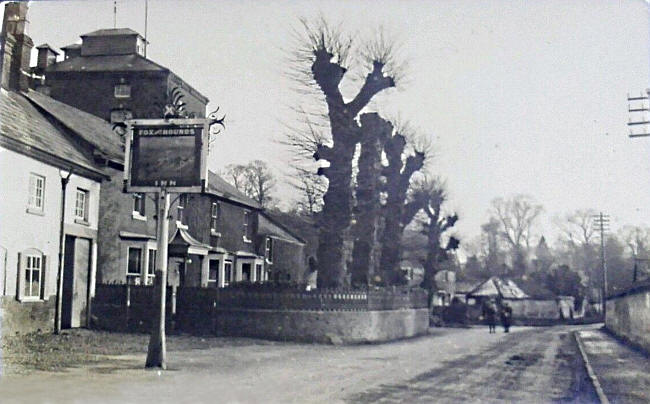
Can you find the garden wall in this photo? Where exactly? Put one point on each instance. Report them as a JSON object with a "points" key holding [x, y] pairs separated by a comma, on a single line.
{"points": [[328, 316], [628, 316]]}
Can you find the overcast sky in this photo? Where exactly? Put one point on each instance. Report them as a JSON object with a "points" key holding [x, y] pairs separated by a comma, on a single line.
{"points": [[518, 97]]}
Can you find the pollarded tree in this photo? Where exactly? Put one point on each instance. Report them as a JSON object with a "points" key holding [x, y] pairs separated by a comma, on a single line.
{"points": [[326, 52], [434, 225], [375, 131], [398, 211]]}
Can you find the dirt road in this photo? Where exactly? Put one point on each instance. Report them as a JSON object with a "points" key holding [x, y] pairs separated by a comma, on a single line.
{"points": [[450, 365]]}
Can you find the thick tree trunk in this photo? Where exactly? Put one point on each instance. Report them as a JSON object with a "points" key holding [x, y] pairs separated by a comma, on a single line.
{"points": [[337, 202], [374, 133], [398, 176]]}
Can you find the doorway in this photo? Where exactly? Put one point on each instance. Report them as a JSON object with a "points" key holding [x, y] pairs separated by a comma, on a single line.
{"points": [[76, 273]]}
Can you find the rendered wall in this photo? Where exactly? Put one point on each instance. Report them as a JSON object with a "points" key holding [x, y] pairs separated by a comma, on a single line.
{"points": [[628, 316], [347, 327], [21, 230]]}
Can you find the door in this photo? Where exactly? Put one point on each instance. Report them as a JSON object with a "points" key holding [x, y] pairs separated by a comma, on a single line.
{"points": [[76, 271]]}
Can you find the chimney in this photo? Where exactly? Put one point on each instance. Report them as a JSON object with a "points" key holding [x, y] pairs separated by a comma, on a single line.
{"points": [[46, 57], [16, 47]]}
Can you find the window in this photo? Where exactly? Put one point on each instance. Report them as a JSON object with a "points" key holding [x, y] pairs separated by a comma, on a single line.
{"points": [[213, 274], [214, 216], [227, 273], [134, 266], [36, 192], [138, 204], [246, 272], [258, 273], [247, 227], [151, 267], [33, 278], [122, 91], [268, 249], [81, 205], [182, 203]]}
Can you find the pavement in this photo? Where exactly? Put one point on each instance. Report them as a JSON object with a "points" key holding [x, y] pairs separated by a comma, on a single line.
{"points": [[527, 365], [620, 374]]}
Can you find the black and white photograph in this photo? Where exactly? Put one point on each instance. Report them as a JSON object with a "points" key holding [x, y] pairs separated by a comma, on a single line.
{"points": [[325, 201]]}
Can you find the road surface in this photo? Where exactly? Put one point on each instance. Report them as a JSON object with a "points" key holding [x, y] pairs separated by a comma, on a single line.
{"points": [[449, 365]]}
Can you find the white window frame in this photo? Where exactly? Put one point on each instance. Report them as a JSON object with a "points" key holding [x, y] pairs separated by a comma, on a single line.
{"points": [[180, 209], [247, 216], [139, 206], [151, 277], [31, 258], [259, 273], [215, 281], [81, 205], [268, 250], [227, 280], [214, 216], [136, 276], [36, 201], [122, 90]]}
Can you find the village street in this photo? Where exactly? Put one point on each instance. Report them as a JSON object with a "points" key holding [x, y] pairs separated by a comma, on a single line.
{"points": [[449, 365]]}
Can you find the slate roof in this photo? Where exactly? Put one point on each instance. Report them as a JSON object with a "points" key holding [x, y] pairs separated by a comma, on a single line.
{"points": [[111, 32], [107, 63], [221, 188], [268, 226], [72, 46], [22, 122], [47, 46], [92, 129]]}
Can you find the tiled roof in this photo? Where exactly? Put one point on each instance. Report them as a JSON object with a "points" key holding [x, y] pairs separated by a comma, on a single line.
{"points": [[92, 129], [498, 287], [219, 187], [106, 63], [111, 32], [22, 122]]}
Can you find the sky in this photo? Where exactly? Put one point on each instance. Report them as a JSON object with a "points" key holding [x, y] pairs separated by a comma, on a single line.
{"points": [[517, 97]]}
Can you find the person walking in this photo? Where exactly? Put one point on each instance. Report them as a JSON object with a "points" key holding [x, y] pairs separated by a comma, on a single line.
{"points": [[506, 316], [490, 315]]}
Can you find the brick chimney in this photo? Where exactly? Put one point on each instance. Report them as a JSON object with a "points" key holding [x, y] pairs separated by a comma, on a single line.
{"points": [[15, 47]]}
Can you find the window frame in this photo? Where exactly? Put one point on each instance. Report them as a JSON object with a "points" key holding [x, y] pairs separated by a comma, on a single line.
{"points": [[214, 216], [32, 205], [84, 209], [133, 275], [268, 249], [122, 94], [246, 226], [139, 205], [213, 282], [227, 272], [151, 276], [31, 270]]}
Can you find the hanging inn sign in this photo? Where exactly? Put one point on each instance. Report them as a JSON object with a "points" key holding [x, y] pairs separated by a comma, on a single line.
{"points": [[166, 153]]}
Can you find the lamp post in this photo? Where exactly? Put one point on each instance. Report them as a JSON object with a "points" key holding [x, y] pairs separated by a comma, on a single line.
{"points": [[65, 178]]}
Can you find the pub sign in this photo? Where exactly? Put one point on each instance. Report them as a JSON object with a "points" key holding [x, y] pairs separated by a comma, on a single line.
{"points": [[169, 154]]}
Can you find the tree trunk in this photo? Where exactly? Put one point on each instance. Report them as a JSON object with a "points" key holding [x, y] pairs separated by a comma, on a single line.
{"points": [[398, 176], [374, 133]]}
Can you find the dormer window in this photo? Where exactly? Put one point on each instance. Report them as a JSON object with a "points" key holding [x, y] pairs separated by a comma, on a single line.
{"points": [[122, 90]]}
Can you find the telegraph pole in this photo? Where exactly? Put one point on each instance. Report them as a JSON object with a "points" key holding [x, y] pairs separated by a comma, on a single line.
{"points": [[601, 223]]}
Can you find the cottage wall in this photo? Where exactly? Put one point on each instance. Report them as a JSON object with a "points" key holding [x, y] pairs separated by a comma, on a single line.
{"points": [[22, 230]]}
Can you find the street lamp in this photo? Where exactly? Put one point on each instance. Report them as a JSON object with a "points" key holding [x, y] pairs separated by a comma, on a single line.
{"points": [[65, 178]]}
